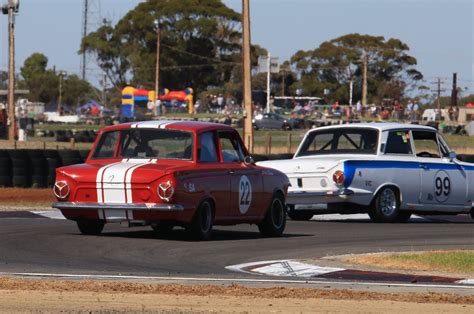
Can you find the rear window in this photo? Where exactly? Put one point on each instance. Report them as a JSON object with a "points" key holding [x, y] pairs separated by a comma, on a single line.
{"points": [[145, 143], [340, 141]]}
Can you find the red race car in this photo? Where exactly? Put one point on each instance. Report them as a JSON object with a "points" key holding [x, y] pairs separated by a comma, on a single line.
{"points": [[166, 174]]}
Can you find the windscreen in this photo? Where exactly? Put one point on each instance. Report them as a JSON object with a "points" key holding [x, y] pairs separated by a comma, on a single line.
{"points": [[145, 143], [340, 141]]}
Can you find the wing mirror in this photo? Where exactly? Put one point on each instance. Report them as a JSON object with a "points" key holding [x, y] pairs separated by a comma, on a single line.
{"points": [[249, 160], [452, 156]]}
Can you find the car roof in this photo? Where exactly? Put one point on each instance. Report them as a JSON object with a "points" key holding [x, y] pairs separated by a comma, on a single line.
{"points": [[192, 126], [381, 126]]}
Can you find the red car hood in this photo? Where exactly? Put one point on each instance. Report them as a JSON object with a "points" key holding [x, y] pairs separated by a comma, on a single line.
{"points": [[141, 172]]}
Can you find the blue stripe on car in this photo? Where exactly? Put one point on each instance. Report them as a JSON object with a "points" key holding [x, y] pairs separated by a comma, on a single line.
{"points": [[350, 167]]}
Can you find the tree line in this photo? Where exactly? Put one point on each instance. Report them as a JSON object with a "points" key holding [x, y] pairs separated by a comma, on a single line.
{"points": [[201, 48]]}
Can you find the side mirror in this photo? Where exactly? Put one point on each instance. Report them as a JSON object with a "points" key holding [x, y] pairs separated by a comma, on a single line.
{"points": [[249, 160], [452, 156]]}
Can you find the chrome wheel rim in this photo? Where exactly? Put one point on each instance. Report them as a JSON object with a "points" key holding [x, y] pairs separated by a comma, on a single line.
{"points": [[388, 202], [278, 213]]}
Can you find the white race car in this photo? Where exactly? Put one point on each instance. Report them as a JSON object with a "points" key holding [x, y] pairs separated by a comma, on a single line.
{"points": [[387, 170]]}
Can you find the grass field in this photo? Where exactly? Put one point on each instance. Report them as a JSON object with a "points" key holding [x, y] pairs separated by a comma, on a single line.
{"points": [[439, 261]]}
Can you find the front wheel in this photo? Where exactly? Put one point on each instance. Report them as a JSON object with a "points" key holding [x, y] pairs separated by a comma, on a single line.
{"points": [[90, 227], [386, 206], [201, 226], [274, 222]]}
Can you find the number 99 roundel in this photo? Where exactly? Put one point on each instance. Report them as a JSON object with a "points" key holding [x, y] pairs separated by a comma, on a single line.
{"points": [[245, 194]]}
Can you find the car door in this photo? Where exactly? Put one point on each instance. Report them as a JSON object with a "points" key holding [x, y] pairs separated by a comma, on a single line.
{"points": [[212, 176], [246, 180], [443, 181]]}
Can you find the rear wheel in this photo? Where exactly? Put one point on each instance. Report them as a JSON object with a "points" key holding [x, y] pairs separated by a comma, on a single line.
{"points": [[386, 206], [90, 227], [274, 222], [201, 226], [299, 215]]}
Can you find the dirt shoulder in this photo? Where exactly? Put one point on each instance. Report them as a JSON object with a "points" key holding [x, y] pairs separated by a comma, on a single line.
{"points": [[24, 295], [25, 199]]}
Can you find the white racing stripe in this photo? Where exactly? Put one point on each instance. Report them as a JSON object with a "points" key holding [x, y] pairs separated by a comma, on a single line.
{"points": [[114, 181]]}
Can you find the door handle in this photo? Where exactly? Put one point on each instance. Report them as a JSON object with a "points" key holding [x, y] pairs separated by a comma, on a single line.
{"points": [[422, 166]]}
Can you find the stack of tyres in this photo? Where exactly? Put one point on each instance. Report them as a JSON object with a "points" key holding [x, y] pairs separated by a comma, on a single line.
{"points": [[70, 157], [39, 168], [20, 168], [5, 169], [54, 161]]}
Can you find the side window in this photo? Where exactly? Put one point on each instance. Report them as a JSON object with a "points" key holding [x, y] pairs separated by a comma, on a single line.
{"points": [[208, 151], [231, 149], [426, 144], [107, 145], [398, 142]]}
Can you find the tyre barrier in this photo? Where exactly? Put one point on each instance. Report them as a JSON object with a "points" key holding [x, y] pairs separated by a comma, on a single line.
{"points": [[35, 168]]}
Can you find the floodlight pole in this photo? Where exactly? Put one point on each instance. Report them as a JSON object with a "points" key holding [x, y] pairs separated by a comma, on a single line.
{"points": [[246, 76], [60, 99], [157, 68], [268, 82], [11, 71]]}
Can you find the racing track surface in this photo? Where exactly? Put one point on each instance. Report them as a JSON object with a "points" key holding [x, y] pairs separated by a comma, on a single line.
{"points": [[30, 243]]}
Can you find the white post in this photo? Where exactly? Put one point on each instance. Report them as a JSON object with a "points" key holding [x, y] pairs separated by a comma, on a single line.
{"points": [[268, 83], [351, 86]]}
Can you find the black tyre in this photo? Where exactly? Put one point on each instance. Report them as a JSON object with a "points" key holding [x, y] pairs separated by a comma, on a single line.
{"points": [[274, 222], [90, 227], [5, 181], [20, 182], [201, 226], [286, 127], [386, 206], [162, 228], [299, 215], [403, 216]]}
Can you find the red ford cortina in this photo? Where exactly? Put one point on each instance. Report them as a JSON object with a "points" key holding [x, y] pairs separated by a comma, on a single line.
{"points": [[167, 174]]}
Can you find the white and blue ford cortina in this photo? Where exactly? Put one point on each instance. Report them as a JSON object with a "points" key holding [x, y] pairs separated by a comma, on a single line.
{"points": [[387, 170]]}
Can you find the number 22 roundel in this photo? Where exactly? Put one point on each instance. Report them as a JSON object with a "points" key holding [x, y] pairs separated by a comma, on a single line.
{"points": [[245, 194]]}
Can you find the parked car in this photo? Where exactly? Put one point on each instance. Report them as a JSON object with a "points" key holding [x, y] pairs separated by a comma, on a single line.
{"points": [[167, 174], [272, 121], [387, 170]]}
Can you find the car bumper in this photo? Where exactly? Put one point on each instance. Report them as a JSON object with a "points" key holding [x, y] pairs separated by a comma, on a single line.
{"points": [[317, 197], [107, 206]]}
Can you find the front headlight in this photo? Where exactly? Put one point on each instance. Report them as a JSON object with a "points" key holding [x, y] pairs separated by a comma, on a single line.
{"points": [[165, 191]]}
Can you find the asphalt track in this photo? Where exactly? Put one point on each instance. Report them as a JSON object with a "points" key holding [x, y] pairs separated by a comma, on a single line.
{"points": [[34, 244]]}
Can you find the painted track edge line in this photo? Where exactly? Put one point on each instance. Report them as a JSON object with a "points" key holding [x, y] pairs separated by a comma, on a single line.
{"points": [[233, 280]]}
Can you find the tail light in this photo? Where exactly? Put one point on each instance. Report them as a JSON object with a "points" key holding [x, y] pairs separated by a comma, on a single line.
{"points": [[61, 190], [338, 178], [165, 191]]}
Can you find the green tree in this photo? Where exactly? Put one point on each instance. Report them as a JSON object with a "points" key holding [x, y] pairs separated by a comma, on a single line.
{"points": [[200, 44], [43, 83], [336, 62]]}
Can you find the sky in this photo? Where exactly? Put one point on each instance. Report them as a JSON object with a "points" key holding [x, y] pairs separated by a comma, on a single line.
{"points": [[440, 33]]}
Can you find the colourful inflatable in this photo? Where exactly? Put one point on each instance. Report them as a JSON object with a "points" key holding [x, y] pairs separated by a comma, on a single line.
{"points": [[139, 103]]}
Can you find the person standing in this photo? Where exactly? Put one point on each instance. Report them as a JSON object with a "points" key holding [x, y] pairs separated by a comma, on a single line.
{"points": [[220, 103], [359, 109]]}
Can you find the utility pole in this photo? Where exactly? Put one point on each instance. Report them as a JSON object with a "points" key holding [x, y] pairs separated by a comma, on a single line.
{"points": [[11, 8], [60, 99], [157, 67], [246, 76], [454, 92], [438, 91], [364, 79]]}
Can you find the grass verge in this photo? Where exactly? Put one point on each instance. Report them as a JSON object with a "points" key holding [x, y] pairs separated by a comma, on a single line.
{"points": [[459, 262]]}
